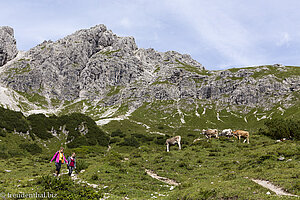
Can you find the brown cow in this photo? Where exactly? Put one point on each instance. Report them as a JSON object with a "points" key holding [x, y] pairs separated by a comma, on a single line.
{"points": [[242, 134], [210, 133], [172, 141]]}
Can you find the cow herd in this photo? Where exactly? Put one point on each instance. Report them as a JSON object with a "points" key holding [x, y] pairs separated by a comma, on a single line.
{"points": [[209, 133]]}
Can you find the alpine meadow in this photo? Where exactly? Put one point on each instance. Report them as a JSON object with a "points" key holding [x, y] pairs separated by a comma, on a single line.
{"points": [[115, 105]]}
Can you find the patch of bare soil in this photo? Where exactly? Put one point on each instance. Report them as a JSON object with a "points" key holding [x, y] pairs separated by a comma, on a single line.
{"points": [[163, 179], [270, 186]]}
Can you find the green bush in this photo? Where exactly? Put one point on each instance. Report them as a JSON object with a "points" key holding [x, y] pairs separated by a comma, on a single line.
{"points": [[117, 133], [3, 151], [194, 193], [160, 140], [95, 177], [130, 141], [77, 142], [114, 158], [65, 188], [2, 133], [80, 165], [31, 148], [12, 120], [40, 125], [114, 140], [94, 136], [142, 138], [281, 128], [15, 152]]}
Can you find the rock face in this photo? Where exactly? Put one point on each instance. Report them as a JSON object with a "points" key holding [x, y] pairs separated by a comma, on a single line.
{"points": [[97, 65], [88, 63], [8, 48]]}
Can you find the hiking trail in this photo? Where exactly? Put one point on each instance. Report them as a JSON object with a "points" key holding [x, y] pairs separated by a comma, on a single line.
{"points": [[78, 180], [270, 186], [163, 179]]}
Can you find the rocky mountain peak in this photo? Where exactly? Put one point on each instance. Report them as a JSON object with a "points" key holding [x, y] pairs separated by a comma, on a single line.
{"points": [[8, 48], [89, 60], [97, 66]]}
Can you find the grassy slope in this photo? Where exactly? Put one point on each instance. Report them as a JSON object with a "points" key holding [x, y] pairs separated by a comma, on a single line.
{"points": [[206, 169], [224, 162]]}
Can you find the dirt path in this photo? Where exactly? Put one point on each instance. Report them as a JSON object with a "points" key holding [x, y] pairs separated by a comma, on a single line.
{"points": [[78, 180], [75, 178], [270, 186], [163, 179]]}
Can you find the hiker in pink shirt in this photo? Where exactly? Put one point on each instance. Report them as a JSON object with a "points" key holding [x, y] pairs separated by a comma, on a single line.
{"points": [[59, 158]]}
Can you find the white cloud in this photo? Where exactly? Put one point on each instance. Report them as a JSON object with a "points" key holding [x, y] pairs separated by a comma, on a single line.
{"points": [[218, 29], [284, 39], [125, 22], [214, 32]]}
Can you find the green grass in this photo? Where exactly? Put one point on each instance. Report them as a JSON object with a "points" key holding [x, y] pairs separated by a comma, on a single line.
{"points": [[114, 90], [157, 69], [216, 168], [23, 68], [71, 107], [207, 169], [108, 53], [191, 68], [55, 102], [162, 82], [234, 70], [34, 98], [169, 119], [236, 78], [288, 71]]}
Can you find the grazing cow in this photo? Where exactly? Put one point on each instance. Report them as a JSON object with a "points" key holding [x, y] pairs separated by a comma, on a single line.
{"points": [[227, 133], [210, 133], [172, 141], [242, 134]]}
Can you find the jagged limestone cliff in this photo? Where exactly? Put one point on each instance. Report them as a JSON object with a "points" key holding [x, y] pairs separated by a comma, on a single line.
{"points": [[8, 48], [99, 73]]}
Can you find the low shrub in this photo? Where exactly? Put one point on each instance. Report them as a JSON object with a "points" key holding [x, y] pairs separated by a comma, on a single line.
{"points": [[194, 193], [204, 143], [32, 148], [130, 141], [77, 142], [3, 151], [15, 152], [142, 138], [13, 120], [95, 177], [2, 133], [117, 133], [65, 188], [40, 124], [114, 140], [281, 128], [160, 140], [114, 158], [80, 165]]}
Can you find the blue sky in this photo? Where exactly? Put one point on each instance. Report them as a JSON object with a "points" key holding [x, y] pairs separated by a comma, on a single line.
{"points": [[217, 33]]}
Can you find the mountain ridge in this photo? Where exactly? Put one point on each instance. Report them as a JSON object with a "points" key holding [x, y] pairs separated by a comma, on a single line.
{"points": [[106, 76]]}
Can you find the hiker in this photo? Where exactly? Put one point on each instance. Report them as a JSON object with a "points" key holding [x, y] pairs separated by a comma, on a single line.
{"points": [[71, 163], [59, 159]]}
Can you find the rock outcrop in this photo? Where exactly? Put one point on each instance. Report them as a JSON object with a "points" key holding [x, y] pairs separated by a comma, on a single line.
{"points": [[87, 64], [8, 48], [97, 65]]}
